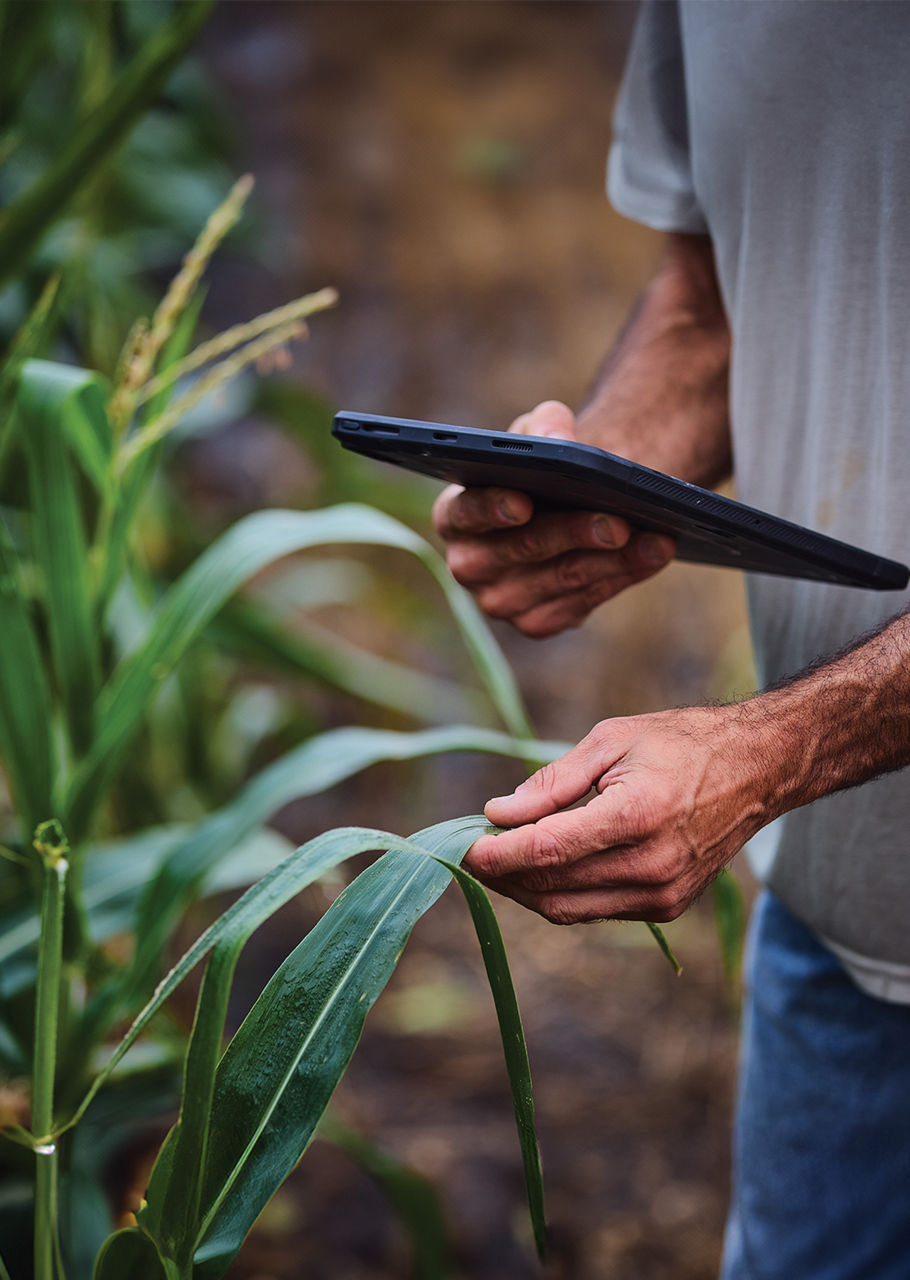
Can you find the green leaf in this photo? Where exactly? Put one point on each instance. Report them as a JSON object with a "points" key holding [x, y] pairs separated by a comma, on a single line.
{"points": [[256, 632], [26, 730], [24, 221], [282, 1066], [513, 1040], [661, 939], [183, 1182], [74, 402], [198, 595], [167, 866], [318, 764], [115, 872], [280, 1069], [45, 402], [129, 1253], [305, 865], [730, 920]]}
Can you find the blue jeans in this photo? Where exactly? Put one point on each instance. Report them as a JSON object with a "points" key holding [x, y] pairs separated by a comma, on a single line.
{"points": [[821, 1149]]}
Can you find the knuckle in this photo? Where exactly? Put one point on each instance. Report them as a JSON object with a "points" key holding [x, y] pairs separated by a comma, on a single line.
{"points": [[572, 572], [667, 902], [546, 850], [641, 822], [529, 545], [651, 873], [457, 558], [557, 908], [666, 915], [606, 737], [541, 881]]}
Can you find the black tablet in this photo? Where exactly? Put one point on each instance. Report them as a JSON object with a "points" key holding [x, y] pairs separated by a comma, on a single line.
{"points": [[708, 528]]}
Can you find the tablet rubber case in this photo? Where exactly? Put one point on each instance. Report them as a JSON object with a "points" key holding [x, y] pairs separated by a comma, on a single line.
{"points": [[708, 528]]}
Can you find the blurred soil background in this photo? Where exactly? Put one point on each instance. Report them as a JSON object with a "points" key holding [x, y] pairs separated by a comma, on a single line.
{"points": [[442, 164]]}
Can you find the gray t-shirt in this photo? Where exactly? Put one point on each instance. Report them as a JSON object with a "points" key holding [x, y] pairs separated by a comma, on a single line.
{"points": [[782, 130]]}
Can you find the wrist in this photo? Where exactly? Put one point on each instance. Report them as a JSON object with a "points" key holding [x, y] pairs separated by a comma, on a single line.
{"points": [[777, 752]]}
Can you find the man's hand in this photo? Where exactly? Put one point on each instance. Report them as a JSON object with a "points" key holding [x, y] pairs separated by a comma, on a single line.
{"points": [[544, 573], [678, 794]]}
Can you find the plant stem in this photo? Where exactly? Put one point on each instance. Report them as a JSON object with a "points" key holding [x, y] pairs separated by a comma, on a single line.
{"points": [[52, 847]]}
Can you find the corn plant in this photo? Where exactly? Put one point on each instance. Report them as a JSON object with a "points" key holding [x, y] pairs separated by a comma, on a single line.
{"points": [[78, 692], [73, 701], [248, 1113], [75, 694]]}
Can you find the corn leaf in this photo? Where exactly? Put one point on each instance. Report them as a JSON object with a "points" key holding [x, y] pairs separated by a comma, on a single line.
{"points": [[46, 403], [117, 873], [74, 401], [129, 1253], [26, 730], [271, 1086], [730, 921], [316, 765], [193, 601], [514, 1047], [258, 633], [243, 1127], [277, 1074], [144, 882], [305, 865], [113, 878], [661, 939], [24, 221]]}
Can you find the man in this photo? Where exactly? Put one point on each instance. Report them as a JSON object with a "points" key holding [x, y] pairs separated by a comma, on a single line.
{"points": [[771, 141]]}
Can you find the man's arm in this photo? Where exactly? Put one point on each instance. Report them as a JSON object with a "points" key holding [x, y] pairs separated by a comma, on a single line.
{"points": [[661, 399], [679, 792]]}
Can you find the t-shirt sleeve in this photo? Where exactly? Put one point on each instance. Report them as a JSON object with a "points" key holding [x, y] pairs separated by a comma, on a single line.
{"points": [[649, 174]]}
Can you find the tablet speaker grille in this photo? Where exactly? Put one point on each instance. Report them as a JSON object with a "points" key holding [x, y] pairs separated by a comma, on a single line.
{"points": [[518, 446]]}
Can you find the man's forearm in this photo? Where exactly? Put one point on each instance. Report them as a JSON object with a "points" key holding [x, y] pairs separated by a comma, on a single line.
{"points": [[678, 793], [844, 721], [661, 397]]}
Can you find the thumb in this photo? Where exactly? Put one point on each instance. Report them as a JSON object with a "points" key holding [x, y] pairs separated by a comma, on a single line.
{"points": [[547, 791]]}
